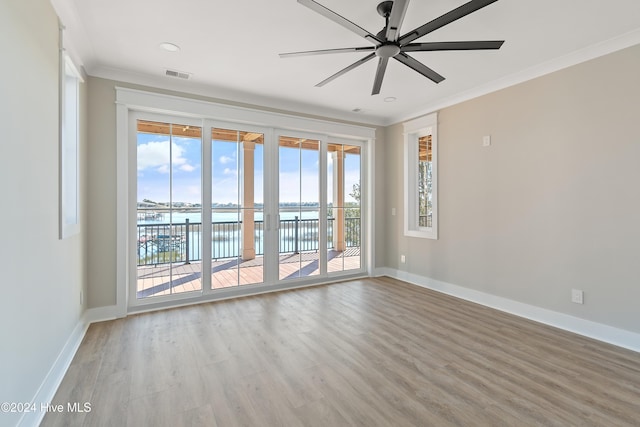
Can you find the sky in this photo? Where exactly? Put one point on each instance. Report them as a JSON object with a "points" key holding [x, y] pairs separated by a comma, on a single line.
{"points": [[158, 155]]}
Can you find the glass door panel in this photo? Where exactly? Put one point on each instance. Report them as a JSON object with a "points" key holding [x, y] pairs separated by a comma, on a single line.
{"points": [[299, 207], [344, 226], [237, 242], [169, 212]]}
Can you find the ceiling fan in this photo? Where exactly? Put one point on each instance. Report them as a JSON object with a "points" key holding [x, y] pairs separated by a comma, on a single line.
{"points": [[388, 43]]}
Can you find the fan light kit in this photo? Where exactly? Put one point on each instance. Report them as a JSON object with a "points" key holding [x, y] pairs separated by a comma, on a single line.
{"points": [[388, 43]]}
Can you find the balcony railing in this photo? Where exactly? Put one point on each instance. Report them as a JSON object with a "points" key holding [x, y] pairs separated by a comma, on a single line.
{"points": [[182, 242], [425, 220]]}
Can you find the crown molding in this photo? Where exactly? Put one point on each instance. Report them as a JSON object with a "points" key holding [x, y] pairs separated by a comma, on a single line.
{"points": [[226, 95], [76, 41], [594, 51]]}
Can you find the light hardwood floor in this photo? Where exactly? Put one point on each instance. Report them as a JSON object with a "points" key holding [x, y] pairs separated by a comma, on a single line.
{"points": [[373, 352]]}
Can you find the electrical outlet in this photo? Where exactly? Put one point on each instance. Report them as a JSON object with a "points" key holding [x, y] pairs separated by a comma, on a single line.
{"points": [[577, 296], [393, 211], [402, 259], [486, 140]]}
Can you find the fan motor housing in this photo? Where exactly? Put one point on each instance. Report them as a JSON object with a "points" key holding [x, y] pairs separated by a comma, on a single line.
{"points": [[387, 50]]}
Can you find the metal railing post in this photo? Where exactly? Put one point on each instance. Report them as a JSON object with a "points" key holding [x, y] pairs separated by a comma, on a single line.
{"points": [[186, 230], [296, 236]]}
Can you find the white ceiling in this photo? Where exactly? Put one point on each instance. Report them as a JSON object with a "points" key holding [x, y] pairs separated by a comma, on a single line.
{"points": [[231, 48]]}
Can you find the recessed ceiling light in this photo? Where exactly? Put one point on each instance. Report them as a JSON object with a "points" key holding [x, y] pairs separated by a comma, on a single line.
{"points": [[170, 47], [390, 99]]}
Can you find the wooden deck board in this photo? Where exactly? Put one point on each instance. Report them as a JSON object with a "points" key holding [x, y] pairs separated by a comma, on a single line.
{"points": [[166, 279]]}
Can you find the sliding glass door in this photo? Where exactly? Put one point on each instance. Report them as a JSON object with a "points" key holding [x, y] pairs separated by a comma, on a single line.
{"points": [[344, 228], [168, 208], [221, 206], [237, 207], [319, 207], [298, 207]]}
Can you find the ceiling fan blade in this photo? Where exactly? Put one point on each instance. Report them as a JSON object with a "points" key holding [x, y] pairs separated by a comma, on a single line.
{"points": [[419, 67], [328, 13], [377, 83], [443, 20], [470, 45], [398, 10], [327, 51], [349, 68]]}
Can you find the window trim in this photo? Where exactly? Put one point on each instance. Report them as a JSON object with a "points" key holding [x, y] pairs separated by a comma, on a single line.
{"points": [[413, 130]]}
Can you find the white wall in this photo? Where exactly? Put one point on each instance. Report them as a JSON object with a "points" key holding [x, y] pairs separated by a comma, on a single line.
{"points": [[40, 276], [553, 204], [101, 195]]}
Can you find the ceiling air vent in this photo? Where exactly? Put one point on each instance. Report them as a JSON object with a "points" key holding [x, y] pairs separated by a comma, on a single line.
{"points": [[178, 74]]}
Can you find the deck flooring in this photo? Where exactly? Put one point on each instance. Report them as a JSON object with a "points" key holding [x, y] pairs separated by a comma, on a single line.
{"points": [[166, 279]]}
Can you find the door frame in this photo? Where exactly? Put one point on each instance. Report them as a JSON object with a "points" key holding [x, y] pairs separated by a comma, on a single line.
{"points": [[128, 100]]}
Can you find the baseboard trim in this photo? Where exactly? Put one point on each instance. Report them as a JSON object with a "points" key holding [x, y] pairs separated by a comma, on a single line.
{"points": [[601, 332], [54, 377], [101, 314]]}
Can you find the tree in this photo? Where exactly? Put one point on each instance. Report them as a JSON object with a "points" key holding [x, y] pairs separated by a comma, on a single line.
{"points": [[356, 192], [352, 212], [424, 192]]}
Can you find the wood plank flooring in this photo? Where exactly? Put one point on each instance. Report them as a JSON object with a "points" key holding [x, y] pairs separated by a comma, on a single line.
{"points": [[373, 352]]}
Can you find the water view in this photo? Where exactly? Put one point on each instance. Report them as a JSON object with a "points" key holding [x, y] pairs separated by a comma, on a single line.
{"points": [[164, 237]]}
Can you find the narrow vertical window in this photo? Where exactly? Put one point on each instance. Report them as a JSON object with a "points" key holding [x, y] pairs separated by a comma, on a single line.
{"points": [[69, 146], [425, 181], [420, 185]]}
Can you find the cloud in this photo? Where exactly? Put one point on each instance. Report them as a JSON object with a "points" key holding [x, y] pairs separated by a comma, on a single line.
{"points": [[226, 159], [155, 155], [229, 171]]}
